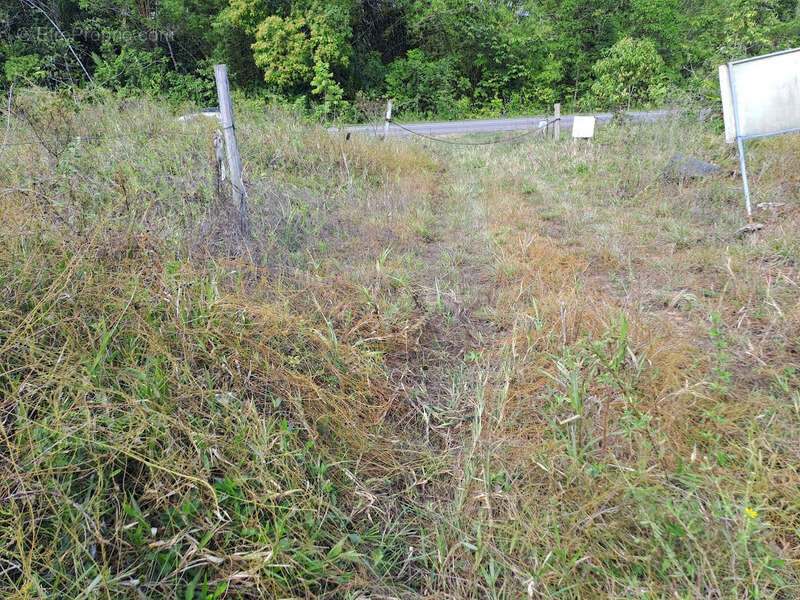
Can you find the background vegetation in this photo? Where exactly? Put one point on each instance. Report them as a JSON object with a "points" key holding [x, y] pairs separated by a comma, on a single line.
{"points": [[443, 58]]}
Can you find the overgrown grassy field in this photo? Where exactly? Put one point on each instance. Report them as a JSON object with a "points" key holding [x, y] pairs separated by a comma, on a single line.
{"points": [[532, 370]]}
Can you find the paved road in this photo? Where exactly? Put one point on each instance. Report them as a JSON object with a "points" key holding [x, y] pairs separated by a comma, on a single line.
{"points": [[491, 125]]}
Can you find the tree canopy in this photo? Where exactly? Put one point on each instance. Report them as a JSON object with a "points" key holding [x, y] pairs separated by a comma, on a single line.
{"points": [[443, 58]]}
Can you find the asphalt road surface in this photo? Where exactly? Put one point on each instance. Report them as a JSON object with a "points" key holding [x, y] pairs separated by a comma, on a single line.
{"points": [[493, 125]]}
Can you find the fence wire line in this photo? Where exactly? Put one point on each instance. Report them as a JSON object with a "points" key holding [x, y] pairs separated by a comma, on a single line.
{"points": [[94, 138], [487, 143]]}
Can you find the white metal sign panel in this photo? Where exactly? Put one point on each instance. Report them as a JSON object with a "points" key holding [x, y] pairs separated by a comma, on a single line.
{"points": [[767, 95], [583, 127]]}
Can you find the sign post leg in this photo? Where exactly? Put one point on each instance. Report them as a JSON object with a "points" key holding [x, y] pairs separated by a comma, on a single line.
{"points": [[743, 166]]}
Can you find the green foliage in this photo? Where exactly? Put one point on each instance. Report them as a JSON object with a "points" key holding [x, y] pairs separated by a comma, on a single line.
{"points": [[423, 86], [301, 51], [749, 25], [443, 58], [130, 69], [631, 73], [25, 68]]}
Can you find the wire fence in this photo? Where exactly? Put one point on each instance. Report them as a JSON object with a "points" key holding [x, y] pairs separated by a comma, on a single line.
{"points": [[65, 141], [95, 138], [154, 133], [505, 140]]}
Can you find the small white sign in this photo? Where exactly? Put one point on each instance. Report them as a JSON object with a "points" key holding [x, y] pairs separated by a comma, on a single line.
{"points": [[583, 127], [767, 92]]}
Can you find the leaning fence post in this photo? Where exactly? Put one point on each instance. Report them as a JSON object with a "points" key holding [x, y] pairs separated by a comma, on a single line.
{"points": [[388, 120], [557, 119], [231, 146]]}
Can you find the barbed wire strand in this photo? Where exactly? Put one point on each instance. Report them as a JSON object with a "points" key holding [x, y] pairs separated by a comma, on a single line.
{"points": [[487, 143], [94, 138]]}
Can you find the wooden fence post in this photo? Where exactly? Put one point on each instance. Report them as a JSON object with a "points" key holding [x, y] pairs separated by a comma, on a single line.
{"points": [[557, 117], [388, 120], [231, 146]]}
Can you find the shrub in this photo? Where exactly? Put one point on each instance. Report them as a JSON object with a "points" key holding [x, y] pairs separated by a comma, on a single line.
{"points": [[632, 72]]}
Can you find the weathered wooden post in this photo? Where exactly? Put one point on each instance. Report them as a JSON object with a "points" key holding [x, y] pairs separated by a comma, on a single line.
{"points": [[231, 146], [557, 119], [387, 120]]}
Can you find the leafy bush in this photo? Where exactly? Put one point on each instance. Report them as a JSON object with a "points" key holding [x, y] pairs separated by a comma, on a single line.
{"points": [[631, 73], [423, 86], [26, 68], [301, 51]]}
